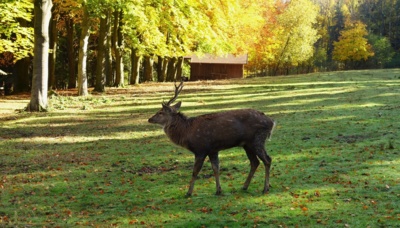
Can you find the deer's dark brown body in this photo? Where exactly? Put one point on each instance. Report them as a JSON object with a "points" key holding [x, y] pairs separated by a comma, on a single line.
{"points": [[206, 135]]}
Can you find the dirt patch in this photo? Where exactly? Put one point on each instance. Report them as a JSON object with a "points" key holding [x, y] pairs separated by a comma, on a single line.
{"points": [[350, 138], [152, 169]]}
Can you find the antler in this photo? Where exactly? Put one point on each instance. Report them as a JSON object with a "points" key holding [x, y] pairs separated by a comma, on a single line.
{"points": [[178, 89]]}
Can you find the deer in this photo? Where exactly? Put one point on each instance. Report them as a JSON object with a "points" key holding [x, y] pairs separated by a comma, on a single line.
{"points": [[206, 135]]}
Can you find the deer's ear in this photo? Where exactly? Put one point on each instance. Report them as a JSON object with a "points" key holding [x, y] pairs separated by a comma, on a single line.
{"points": [[177, 105]]}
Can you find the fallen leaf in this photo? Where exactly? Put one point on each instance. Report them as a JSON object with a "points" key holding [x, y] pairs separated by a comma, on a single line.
{"points": [[133, 221], [205, 210]]}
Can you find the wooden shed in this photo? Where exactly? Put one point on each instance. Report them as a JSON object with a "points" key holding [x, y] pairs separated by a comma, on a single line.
{"points": [[209, 67]]}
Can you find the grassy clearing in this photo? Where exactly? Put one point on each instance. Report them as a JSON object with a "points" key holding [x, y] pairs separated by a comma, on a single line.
{"points": [[96, 161]]}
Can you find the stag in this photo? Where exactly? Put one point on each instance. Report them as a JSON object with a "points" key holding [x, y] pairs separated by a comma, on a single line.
{"points": [[208, 134]]}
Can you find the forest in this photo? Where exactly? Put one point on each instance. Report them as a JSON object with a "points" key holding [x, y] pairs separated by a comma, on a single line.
{"points": [[104, 43]]}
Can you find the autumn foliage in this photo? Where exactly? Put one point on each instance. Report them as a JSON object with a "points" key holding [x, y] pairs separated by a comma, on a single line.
{"points": [[353, 44], [280, 37]]}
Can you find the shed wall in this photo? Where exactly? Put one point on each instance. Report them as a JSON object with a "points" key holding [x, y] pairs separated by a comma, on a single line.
{"points": [[208, 71]]}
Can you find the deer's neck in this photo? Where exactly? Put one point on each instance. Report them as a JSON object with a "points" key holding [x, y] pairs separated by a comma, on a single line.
{"points": [[177, 129]]}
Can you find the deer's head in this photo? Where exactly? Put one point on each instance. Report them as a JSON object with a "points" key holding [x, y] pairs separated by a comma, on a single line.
{"points": [[168, 111]]}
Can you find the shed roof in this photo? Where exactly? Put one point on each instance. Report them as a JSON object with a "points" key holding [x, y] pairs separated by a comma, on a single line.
{"points": [[227, 59]]}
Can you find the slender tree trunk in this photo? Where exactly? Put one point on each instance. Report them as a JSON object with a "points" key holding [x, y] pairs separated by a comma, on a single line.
{"points": [[83, 46], [114, 45], [135, 67], [71, 53], [108, 55], [119, 47], [165, 68], [159, 69], [148, 68], [53, 53], [100, 71], [179, 66], [278, 64], [42, 12]]}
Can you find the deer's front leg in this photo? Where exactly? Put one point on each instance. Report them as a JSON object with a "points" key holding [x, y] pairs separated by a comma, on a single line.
{"points": [[198, 163]]}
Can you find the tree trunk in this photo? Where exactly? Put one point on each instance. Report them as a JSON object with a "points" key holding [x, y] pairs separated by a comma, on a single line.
{"points": [[100, 71], [83, 46], [71, 53], [162, 68], [148, 68], [52, 55], [119, 47], [171, 71], [135, 67], [42, 12], [159, 69], [107, 51], [179, 69], [22, 80]]}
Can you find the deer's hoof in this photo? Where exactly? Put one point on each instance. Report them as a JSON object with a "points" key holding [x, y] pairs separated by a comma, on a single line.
{"points": [[187, 195]]}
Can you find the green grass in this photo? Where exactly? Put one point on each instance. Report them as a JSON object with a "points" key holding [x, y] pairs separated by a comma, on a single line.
{"points": [[96, 161]]}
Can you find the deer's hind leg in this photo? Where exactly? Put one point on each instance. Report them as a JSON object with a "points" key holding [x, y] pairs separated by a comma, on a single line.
{"points": [[215, 166], [265, 158], [254, 163]]}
